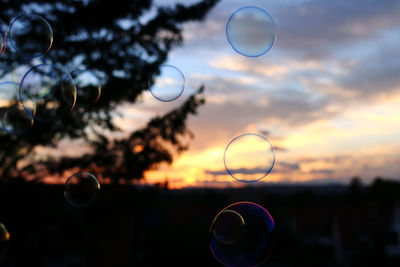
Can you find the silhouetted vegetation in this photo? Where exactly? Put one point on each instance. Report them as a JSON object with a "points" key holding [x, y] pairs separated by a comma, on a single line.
{"points": [[124, 42], [147, 226]]}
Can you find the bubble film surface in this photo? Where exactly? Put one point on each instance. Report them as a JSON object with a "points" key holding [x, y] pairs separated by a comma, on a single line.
{"points": [[30, 35], [81, 189], [249, 157], [48, 92], [168, 85], [251, 31], [242, 235]]}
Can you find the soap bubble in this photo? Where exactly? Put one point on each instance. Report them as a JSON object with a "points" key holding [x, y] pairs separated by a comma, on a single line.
{"points": [[249, 157], [168, 85], [14, 119], [49, 90], [242, 234], [81, 189], [88, 87], [30, 35], [251, 31]]}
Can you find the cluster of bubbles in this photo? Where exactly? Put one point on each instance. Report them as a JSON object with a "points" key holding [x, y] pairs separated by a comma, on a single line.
{"points": [[39, 90], [243, 233]]}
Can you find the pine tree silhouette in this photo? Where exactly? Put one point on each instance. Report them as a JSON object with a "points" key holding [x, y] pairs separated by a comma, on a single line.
{"points": [[125, 42]]}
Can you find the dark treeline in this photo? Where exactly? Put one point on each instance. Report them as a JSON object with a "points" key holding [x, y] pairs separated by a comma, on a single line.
{"points": [[333, 225]]}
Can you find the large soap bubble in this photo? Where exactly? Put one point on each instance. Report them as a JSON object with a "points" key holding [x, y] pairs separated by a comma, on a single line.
{"points": [[81, 189], [30, 35], [251, 31], [168, 85], [48, 90], [249, 157], [242, 234]]}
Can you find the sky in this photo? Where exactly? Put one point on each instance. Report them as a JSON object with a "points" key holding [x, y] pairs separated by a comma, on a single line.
{"points": [[326, 95]]}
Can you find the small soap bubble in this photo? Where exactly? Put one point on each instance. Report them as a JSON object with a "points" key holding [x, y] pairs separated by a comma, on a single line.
{"points": [[14, 119], [242, 234], [88, 87], [48, 92], [30, 35], [81, 189], [251, 31], [249, 157], [168, 85]]}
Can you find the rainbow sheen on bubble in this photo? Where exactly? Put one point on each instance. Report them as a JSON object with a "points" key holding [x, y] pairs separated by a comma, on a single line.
{"points": [[168, 85], [30, 35], [88, 87], [251, 31], [48, 90], [242, 235], [14, 119], [81, 189], [249, 157], [3, 38]]}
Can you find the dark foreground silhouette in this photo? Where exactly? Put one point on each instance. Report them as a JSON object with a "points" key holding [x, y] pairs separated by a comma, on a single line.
{"points": [[332, 225]]}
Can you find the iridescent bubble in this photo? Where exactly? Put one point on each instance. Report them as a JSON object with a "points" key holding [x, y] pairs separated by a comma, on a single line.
{"points": [[81, 189], [251, 31], [249, 157], [3, 38], [30, 35], [242, 234], [88, 87], [168, 85], [14, 119], [49, 91], [228, 227]]}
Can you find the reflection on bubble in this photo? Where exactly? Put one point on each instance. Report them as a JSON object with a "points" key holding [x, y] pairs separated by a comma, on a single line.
{"points": [[249, 157], [81, 189], [251, 31], [168, 85], [242, 234], [228, 227], [30, 35], [49, 91], [88, 87], [13, 117]]}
